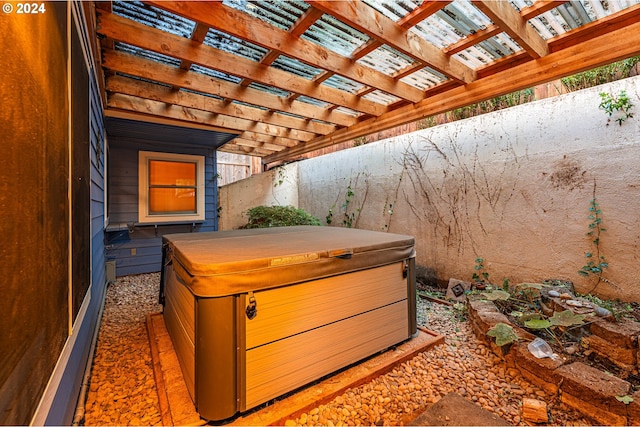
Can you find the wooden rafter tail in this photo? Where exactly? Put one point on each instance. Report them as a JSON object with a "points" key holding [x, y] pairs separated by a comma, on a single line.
{"points": [[198, 36], [267, 139], [232, 147], [263, 145]]}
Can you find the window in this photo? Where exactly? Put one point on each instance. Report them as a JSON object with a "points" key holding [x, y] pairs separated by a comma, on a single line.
{"points": [[170, 187]]}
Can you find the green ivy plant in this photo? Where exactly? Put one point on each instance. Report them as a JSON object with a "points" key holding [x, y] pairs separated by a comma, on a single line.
{"points": [[621, 105], [596, 261], [349, 218], [560, 321], [480, 275], [281, 176], [329, 217], [503, 333]]}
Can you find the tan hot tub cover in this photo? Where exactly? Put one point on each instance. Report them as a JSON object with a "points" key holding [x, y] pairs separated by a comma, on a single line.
{"points": [[221, 263]]}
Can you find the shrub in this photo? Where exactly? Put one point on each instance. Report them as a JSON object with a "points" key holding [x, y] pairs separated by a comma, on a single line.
{"points": [[278, 216]]}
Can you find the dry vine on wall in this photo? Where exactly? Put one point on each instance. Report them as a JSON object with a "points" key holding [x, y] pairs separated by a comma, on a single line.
{"points": [[454, 189]]}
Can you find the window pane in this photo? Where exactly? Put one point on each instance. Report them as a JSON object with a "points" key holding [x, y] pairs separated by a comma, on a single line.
{"points": [[172, 173], [172, 200]]}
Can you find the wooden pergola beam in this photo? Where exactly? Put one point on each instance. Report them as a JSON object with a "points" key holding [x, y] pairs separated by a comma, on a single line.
{"points": [[579, 57], [539, 7], [358, 15], [422, 12], [231, 147], [143, 36], [173, 76], [509, 20], [255, 144], [156, 92], [198, 36], [227, 124], [264, 105], [238, 24]]}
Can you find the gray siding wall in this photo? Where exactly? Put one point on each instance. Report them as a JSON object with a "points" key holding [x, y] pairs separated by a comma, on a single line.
{"points": [[138, 248]]}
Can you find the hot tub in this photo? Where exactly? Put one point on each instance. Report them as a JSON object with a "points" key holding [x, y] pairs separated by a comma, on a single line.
{"points": [[254, 314]]}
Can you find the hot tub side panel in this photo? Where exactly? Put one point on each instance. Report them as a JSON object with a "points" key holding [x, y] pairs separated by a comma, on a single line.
{"points": [[179, 318], [306, 331], [412, 295], [217, 357], [204, 336]]}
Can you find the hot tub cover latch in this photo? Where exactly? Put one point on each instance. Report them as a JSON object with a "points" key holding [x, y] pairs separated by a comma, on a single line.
{"points": [[252, 308]]}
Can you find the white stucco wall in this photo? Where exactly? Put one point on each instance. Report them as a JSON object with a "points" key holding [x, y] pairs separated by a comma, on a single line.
{"points": [[277, 187], [512, 187]]}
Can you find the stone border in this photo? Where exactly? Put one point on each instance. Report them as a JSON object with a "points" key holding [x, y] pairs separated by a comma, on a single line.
{"points": [[585, 389]]}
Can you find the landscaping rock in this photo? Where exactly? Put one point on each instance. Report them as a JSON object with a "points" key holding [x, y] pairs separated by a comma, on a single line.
{"points": [[454, 286], [542, 372], [622, 334], [623, 357], [122, 389], [454, 410], [616, 341], [633, 410], [599, 416], [485, 316], [585, 386], [534, 410]]}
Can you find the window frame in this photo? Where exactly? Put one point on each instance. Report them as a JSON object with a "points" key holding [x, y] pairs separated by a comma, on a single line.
{"points": [[144, 217]]}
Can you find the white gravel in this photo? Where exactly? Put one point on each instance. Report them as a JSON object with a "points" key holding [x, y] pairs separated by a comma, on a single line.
{"points": [[123, 389]]}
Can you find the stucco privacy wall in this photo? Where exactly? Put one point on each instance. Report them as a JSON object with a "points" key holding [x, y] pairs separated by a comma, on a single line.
{"points": [[512, 187], [278, 186]]}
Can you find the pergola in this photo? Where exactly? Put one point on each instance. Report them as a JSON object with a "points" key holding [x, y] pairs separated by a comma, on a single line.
{"points": [[289, 77]]}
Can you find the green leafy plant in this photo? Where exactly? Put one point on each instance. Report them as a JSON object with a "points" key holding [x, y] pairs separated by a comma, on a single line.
{"points": [[529, 295], [349, 218], [618, 309], [503, 333], [329, 217], [620, 104], [496, 295], [596, 261], [556, 325], [460, 311], [278, 216], [480, 275], [566, 318], [600, 75], [281, 176], [538, 323], [626, 399], [362, 140]]}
